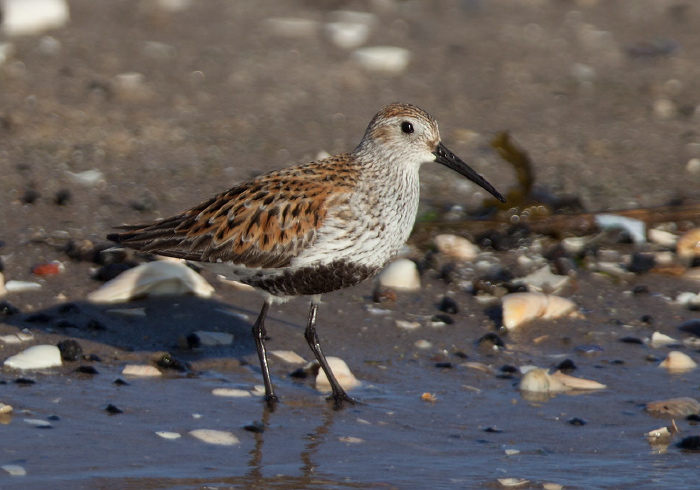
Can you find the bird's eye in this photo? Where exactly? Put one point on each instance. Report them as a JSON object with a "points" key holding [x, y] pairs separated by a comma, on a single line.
{"points": [[407, 127]]}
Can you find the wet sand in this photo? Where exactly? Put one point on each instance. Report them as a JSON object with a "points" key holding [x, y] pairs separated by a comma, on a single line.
{"points": [[224, 97]]}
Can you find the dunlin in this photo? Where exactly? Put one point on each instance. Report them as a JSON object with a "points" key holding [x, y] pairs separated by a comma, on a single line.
{"points": [[314, 228]]}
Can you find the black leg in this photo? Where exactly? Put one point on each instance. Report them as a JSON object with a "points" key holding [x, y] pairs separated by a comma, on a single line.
{"points": [[259, 336], [338, 396]]}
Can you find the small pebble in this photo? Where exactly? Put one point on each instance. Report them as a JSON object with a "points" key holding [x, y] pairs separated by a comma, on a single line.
{"points": [[36, 357], [689, 443], [113, 409], [256, 427], [231, 392], [140, 370], [401, 275], [70, 350], [48, 269], [86, 370], [678, 361], [449, 305], [386, 59], [577, 422]]}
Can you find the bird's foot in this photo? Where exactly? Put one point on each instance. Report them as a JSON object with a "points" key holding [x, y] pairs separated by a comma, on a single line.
{"points": [[341, 398], [271, 401]]}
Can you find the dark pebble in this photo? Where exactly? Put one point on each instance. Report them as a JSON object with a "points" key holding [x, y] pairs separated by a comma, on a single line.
{"points": [[641, 263], [693, 417], [690, 443], [67, 308], [566, 366], [648, 319], [120, 382], [461, 354], [92, 358], [113, 410], [491, 339], [382, 294], [30, 196], [631, 340], [617, 362], [86, 370], [6, 309], [53, 418], [81, 250], [691, 326], [448, 305], [577, 422], [38, 318], [167, 361], [25, 381], [256, 427], [193, 341], [442, 318], [640, 289], [652, 358], [508, 368], [62, 197], [70, 350], [110, 271], [444, 365], [493, 430]]}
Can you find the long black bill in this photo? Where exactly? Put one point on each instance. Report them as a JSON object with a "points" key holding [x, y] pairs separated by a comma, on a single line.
{"points": [[450, 160]]}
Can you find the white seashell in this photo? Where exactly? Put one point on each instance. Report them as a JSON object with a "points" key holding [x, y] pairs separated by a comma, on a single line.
{"points": [[21, 286], [540, 381], [210, 339], [663, 238], [288, 356], [219, 437], [36, 357], [351, 440], [661, 340], [678, 361], [342, 373], [231, 392], [152, 278], [456, 247], [40, 423], [520, 308], [88, 178], [636, 228], [401, 274], [140, 370], [512, 452], [577, 383], [552, 486], [292, 27], [575, 245], [688, 245], [14, 469], [423, 344], [544, 280], [513, 482], [10, 339], [406, 325], [28, 17], [687, 299], [168, 435], [386, 59], [347, 35]]}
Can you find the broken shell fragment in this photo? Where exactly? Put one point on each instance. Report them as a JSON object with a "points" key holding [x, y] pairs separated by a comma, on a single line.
{"points": [[677, 361], [577, 383], [520, 308], [218, 437], [140, 370], [674, 407], [456, 247], [342, 373], [540, 381], [36, 357], [401, 274], [153, 278]]}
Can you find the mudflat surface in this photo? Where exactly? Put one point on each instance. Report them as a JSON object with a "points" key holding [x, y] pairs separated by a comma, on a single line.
{"points": [[604, 98]]}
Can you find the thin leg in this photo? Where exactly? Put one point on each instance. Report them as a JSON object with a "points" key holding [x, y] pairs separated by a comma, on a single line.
{"points": [[339, 396], [259, 336]]}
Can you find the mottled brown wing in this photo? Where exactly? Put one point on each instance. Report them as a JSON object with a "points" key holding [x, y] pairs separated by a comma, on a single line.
{"points": [[264, 223]]}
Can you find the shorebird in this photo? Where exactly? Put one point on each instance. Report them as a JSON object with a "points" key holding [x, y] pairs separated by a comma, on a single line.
{"points": [[313, 228]]}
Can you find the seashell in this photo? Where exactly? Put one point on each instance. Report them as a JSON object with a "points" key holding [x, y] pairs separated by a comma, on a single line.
{"points": [[660, 340], [674, 407], [678, 361], [152, 278], [513, 482], [88, 178], [662, 238], [351, 440], [347, 35], [168, 435], [577, 383], [210, 339], [540, 381], [688, 245], [140, 370], [288, 356], [218, 437], [456, 247], [401, 274], [21, 286], [36, 357], [520, 308], [48, 269], [14, 469], [232, 392], [342, 373], [544, 281], [5, 409], [29, 17], [386, 59], [428, 397], [634, 227], [407, 325]]}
